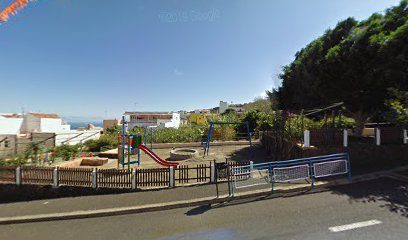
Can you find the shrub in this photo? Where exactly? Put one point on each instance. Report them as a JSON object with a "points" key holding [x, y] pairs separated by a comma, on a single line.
{"points": [[66, 152], [109, 141]]}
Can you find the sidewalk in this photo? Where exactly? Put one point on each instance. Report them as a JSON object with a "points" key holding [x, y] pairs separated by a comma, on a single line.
{"points": [[114, 204]]}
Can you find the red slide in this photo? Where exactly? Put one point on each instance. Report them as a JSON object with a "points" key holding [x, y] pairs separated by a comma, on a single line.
{"points": [[156, 158]]}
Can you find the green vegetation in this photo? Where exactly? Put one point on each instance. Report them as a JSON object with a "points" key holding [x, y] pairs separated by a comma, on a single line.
{"points": [[67, 152], [32, 151], [108, 141], [172, 135], [259, 104], [19, 161], [397, 108], [353, 63]]}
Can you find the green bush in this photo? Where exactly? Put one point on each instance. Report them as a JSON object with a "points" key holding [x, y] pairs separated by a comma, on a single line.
{"points": [[172, 135], [66, 152], [109, 141], [19, 161]]}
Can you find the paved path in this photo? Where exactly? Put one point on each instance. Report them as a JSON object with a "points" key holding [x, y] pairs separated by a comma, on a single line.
{"points": [[375, 209], [109, 201]]}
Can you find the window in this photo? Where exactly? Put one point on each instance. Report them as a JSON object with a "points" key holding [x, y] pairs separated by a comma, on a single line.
{"points": [[6, 144]]}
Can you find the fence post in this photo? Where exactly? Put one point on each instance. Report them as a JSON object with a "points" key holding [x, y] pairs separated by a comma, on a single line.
{"points": [[94, 178], [306, 137], [345, 138], [377, 136], [55, 178], [212, 173], [18, 176], [251, 167], [405, 135], [133, 179], [171, 175]]}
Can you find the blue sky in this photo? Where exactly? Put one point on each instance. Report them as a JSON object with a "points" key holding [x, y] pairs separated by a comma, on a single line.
{"points": [[99, 58]]}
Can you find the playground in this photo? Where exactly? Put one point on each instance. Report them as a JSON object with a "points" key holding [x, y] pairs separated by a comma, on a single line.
{"points": [[133, 148], [219, 144], [234, 151]]}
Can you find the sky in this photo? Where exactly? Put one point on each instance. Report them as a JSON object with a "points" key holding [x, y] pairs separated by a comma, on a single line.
{"points": [[99, 58]]}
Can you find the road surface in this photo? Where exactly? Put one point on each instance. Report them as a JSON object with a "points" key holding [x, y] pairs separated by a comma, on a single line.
{"points": [[371, 210]]}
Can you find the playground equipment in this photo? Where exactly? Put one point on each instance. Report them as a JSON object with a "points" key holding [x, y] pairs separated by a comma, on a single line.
{"points": [[145, 132], [12, 9], [132, 144], [207, 143]]}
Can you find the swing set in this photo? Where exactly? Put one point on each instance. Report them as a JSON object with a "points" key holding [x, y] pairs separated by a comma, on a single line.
{"points": [[247, 134]]}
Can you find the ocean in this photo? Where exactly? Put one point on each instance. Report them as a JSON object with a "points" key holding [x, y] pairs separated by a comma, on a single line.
{"points": [[75, 125]]}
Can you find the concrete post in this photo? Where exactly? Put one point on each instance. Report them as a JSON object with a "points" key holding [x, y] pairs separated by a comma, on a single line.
{"points": [[306, 137], [94, 178], [133, 179], [55, 178], [405, 140], [212, 173], [18, 176], [171, 175], [377, 136], [345, 138]]}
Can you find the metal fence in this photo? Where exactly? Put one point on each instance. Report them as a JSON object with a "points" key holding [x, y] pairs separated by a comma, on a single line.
{"points": [[290, 171]]}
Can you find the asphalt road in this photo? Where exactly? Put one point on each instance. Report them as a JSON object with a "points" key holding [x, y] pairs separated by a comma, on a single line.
{"points": [[370, 210]]}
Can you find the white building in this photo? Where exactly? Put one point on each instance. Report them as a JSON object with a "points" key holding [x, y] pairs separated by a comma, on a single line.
{"points": [[239, 108], [44, 122], [223, 107], [151, 119], [10, 123]]}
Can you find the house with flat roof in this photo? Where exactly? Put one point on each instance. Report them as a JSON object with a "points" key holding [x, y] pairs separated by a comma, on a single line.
{"points": [[10, 123], [44, 122], [152, 119]]}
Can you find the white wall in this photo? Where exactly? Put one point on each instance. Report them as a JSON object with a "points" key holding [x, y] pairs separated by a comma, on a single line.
{"points": [[139, 124], [173, 123], [73, 137], [53, 125], [10, 125]]}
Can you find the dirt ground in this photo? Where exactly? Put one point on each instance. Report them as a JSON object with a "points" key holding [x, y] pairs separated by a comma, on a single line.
{"points": [[239, 153]]}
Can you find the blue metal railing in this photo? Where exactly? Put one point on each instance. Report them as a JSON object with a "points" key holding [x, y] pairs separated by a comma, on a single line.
{"points": [[311, 162]]}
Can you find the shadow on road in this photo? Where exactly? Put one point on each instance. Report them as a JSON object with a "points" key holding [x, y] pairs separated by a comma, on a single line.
{"points": [[388, 193]]}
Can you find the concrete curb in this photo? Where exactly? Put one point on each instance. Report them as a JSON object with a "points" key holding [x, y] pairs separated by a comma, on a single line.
{"points": [[187, 203]]}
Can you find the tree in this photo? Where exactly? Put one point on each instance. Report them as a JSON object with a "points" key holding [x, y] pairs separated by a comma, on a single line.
{"points": [[353, 63], [397, 107], [32, 151], [229, 111], [259, 104]]}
